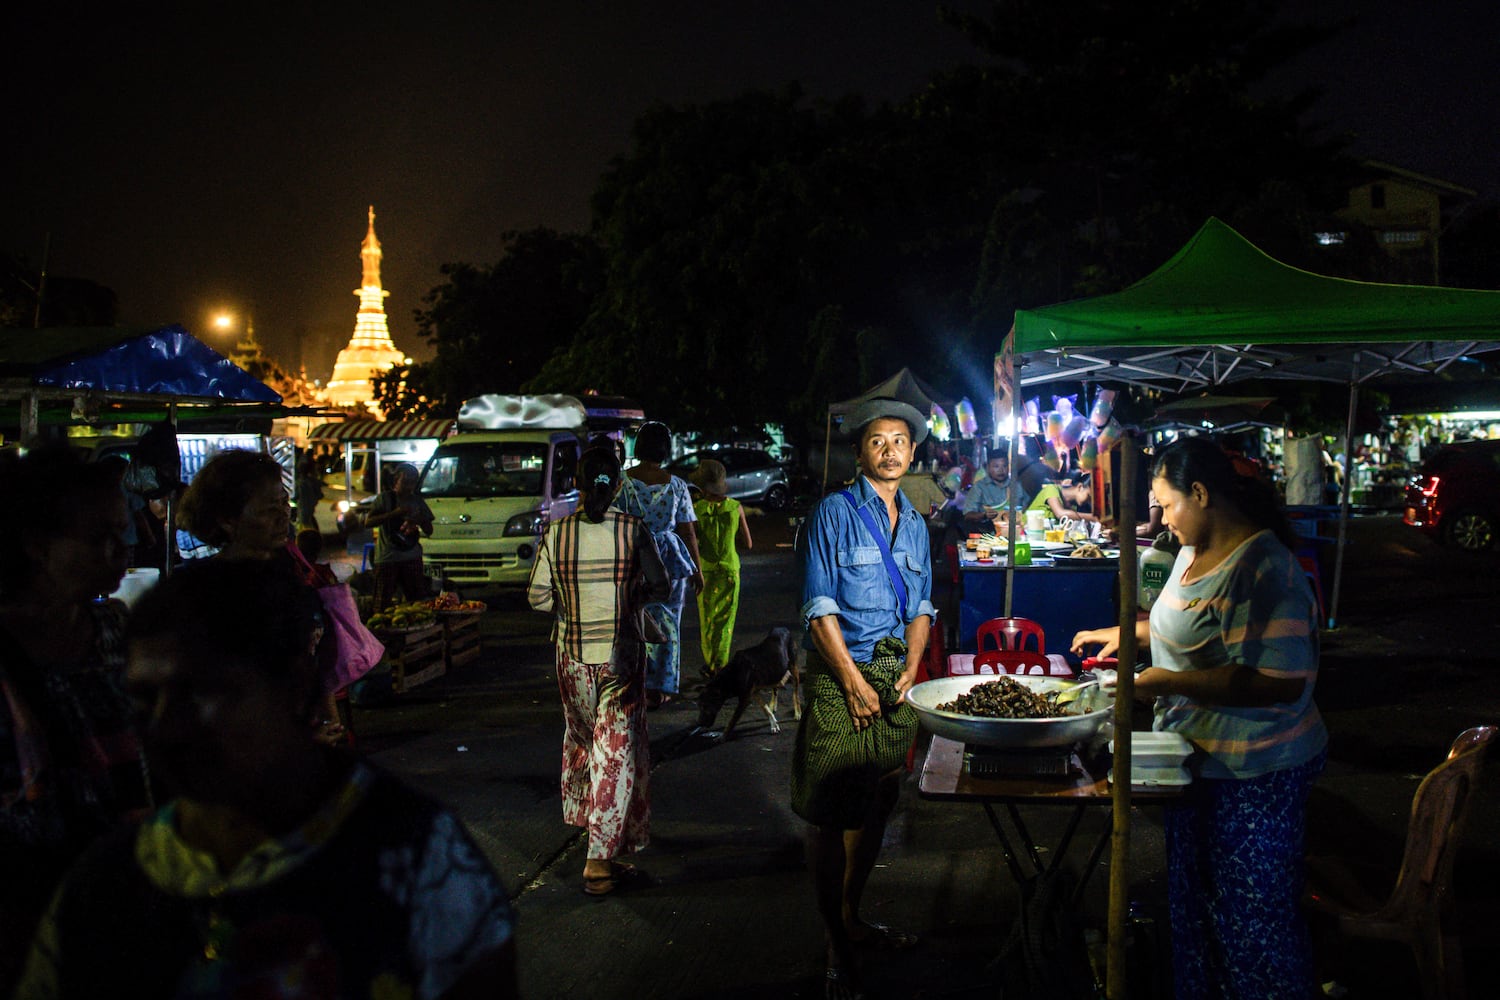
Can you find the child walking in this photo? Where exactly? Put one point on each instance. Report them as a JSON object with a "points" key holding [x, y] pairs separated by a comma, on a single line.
{"points": [[720, 520]]}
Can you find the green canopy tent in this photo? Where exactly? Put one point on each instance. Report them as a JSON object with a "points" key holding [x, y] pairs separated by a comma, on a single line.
{"points": [[1222, 311]]}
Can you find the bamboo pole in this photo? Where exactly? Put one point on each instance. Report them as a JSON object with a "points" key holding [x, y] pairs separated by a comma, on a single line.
{"points": [[1119, 854], [1013, 510]]}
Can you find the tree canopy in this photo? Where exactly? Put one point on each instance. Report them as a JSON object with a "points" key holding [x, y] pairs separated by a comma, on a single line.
{"points": [[752, 259], [495, 327]]}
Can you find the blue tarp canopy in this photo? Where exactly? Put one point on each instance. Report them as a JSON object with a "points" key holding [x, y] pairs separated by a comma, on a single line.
{"points": [[121, 361], [111, 375]]}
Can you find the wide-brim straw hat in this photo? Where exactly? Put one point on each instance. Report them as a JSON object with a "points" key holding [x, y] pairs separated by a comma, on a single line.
{"points": [[710, 476]]}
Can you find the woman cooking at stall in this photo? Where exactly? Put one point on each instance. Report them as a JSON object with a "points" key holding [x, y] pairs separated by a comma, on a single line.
{"points": [[1234, 648], [1064, 501]]}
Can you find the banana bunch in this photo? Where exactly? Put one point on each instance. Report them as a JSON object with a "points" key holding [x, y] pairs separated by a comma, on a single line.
{"points": [[403, 616]]}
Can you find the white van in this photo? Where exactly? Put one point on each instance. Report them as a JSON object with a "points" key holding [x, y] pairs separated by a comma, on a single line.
{"points": [[496, 484], [368, 452]]}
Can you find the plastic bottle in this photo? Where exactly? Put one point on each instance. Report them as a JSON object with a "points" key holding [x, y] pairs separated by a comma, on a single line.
{"points": [[1155, 565]]}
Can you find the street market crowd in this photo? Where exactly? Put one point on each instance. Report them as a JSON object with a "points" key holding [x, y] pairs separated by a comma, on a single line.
{"points": [[172, 761]]}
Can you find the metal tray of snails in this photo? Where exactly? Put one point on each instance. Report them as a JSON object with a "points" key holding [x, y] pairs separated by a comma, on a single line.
{"points": [[1090, 708]]}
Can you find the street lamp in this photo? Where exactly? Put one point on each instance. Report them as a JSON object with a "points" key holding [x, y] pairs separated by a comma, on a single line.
{"points": [[226, 321]]}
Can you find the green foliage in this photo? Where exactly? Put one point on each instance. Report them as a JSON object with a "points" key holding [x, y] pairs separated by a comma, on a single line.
{"points": [[753, 259], [494, 328], [1118, 128]]}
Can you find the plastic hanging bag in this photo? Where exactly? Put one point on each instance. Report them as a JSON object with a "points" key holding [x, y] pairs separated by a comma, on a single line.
{"points": [[357, 650]]}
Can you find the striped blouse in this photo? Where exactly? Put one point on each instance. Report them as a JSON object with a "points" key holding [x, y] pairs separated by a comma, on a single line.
{"points": [[1256, 609]]}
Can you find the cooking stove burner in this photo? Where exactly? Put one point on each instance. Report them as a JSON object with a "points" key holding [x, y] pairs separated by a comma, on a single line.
{"points": [[1027, 762]]}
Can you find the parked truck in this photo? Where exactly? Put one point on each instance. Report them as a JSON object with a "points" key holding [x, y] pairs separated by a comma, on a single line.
{"points": [[506, 474]]}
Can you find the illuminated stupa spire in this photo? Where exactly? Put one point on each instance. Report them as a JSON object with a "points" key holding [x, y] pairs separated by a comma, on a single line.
{"points": [[370, 351]]}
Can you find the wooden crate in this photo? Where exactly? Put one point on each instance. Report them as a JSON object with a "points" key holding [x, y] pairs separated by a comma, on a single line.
{"points": [[416, 655], [460, 639]]}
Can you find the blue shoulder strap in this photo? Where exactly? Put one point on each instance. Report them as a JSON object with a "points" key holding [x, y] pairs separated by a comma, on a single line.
{"points": [[884, 546]]}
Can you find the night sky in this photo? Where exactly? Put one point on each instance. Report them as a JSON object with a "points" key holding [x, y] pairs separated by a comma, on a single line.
{"points": [[222, 156]]}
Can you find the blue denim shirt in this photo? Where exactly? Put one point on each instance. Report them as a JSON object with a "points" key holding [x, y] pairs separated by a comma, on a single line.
{"points": [[845, 575]]}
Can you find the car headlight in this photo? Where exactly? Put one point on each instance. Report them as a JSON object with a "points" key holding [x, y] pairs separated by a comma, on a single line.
{"points": [[530, 523], [342, 506]]}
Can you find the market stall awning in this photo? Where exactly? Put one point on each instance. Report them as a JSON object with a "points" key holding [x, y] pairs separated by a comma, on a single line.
{"points": [[114, 375], [1220, 412], [123, 362], [1223, 311], [365, 429]]}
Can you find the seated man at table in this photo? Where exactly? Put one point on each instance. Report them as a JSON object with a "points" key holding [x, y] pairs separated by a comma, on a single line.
{"points": [[868, 621], [995, 493]]}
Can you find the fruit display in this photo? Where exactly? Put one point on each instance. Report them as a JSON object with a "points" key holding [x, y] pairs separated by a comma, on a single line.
{"points": [[449, 603], [403, 616]]}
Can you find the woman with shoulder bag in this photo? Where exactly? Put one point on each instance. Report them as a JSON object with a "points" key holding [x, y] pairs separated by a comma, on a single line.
{"points": [[594, 570], [662, 500], [238, 503]]}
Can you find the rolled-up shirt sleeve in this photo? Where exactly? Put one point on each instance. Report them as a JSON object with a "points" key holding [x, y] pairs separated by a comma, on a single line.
{"points": [[820, 578]]}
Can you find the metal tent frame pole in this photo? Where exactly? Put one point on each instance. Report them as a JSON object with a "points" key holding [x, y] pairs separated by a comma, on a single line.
{"points": [[1338, 552]]}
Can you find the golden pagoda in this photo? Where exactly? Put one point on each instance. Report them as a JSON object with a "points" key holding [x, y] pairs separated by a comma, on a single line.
{"points": [[370, 351]]}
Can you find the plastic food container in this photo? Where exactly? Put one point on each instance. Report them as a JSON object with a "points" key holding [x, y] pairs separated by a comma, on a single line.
{"points": [[1156, 751], [1156, 777]]}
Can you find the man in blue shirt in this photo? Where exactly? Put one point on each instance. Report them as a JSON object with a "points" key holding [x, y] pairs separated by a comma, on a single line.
{"points": [[994, 493], [866, 601]]}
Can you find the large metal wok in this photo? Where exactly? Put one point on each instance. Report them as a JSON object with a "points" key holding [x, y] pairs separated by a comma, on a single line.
{"points": [[1094, 705]]}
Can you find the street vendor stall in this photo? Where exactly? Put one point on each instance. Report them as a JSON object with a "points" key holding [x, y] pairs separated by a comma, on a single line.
{"points": [[1061, 598], [93, 378], [112, 375], [1222, 311], [368, 446]]}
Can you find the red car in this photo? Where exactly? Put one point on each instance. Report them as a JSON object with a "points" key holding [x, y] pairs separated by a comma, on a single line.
{"points": [[1456, 496]]}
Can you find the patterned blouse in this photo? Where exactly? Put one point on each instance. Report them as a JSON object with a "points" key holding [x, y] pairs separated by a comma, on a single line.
{"points": [[663, 507], [381, 893]]}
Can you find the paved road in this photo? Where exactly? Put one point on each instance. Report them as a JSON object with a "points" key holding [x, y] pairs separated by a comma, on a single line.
{"points": [[1412, 664]]}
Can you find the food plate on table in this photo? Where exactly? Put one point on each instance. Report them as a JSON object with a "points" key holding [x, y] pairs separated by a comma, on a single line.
{"points": [[1081, 555]]}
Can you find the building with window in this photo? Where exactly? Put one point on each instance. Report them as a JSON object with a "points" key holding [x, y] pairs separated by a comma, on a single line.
{"points": [[1406, 213]]}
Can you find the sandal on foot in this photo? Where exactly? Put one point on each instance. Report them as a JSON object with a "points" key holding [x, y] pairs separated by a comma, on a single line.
{"points": [[838, 984], [600, 885], [882, 937], [621, 874]]}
